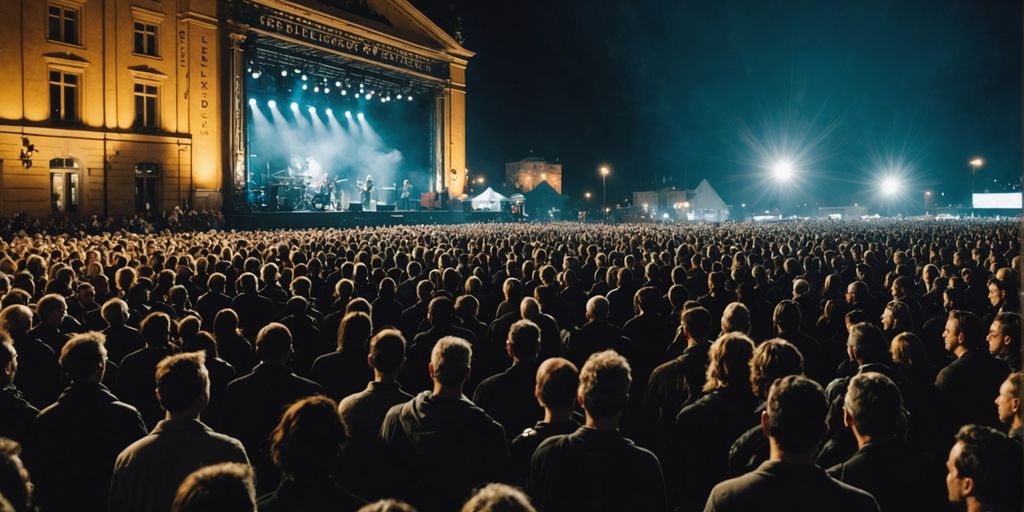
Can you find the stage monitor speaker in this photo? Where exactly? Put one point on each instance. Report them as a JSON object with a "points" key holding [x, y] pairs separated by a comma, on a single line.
{"points": [[385, 207], [355, 207]]}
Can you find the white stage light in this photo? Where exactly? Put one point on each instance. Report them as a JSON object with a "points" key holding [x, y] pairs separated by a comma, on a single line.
{"points": [[348, 113], [891, 185], [782, 170], [337, 83], [284, 72], [304, 77], [312, 110], [408, 98], [252, 102], [329, 111], [272, 104], [361, 116], [327, 91], [357, 95], [255, 75], [295, 106], [304, 87], [344, 92]]}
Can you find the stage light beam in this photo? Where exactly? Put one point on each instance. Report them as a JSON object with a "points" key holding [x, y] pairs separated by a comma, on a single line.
{"points": [[272, 104], [295, 106], [252, 102], [348, 114]]}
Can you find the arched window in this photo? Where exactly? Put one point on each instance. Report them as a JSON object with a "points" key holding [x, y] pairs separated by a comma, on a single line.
{"points": [[65, 188]]}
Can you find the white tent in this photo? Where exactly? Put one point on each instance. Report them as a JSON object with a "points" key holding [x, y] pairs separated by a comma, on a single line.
{"points": [[488, 200]]}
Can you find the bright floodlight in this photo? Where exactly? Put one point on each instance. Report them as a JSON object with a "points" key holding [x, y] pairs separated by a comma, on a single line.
{"points": [[272, 104], [329, 111], [295, 106], [891, 186], [782, 170], [312, 110], [252, 102], [604, 171], [977, 162], [361, 116], [348, 113], [284, 72]]}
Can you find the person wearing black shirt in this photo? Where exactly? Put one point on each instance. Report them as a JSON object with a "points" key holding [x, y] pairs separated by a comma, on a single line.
{"points": [[344, 371], [17, 413], [555, 391], [794, 422], [508, 397], [135, 380], [595, 468], [1010, 405], [966, 387]]}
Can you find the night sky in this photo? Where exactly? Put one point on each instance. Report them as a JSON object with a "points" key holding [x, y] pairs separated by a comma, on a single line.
{"points": [[718, 89]]}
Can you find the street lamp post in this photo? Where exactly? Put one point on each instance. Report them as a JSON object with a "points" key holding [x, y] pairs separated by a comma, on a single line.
{"points": [[976, 164], [604, 188]]}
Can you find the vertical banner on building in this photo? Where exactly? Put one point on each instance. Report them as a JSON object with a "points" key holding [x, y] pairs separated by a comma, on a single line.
{"points": [[200, 60]]}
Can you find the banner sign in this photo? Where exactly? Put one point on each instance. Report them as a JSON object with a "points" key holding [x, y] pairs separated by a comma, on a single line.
{"points": [[317, 34]]}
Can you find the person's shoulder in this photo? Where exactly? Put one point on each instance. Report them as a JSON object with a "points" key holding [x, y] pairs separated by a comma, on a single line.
{"points": [[552, 445], [856, 499], [728, 493]]}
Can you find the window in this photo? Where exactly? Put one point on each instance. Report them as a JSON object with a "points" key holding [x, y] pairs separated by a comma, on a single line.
{"points": [[145, 39], [63, 96], [62, 24], [64, 185], [145, 106], [147, 175]]}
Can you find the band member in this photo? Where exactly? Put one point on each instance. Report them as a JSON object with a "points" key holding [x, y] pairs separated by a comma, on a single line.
{"points": [[406, 192], [366, 189]]}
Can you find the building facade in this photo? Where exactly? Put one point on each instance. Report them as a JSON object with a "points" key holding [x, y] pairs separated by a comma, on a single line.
{"points": [[112, 107], [529, 172], [700, 204]]}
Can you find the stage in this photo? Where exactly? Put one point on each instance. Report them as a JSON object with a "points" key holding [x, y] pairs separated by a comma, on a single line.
{"points": [[307, 220]]}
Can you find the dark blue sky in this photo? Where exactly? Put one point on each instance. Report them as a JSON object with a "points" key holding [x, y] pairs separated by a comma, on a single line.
{"points": [[718, 89]]}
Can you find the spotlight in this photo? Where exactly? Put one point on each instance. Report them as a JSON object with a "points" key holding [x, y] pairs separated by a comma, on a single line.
{"points": [[891, 186], [272, 104], [399, 96], [344, 92], [361, 116], [304, 77], [284, 72], [782, 170], [408, 98], [316, 88], [304, 87], [311, 109], [357, 95], [297, 71], [337, 83], [255, 75], [329, 111], [326, 90], [252, 102], [295, 106], [348, 113]]}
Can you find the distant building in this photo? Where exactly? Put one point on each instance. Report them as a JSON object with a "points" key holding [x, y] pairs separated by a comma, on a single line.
{"points": [[700, 204], [529, 172], [842, 212]]}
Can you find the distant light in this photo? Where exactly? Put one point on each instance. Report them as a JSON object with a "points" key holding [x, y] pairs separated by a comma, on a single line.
{"points": [[284, 72], [255, 75], [782, 170], [327, 90], [304, 87], [252, 102], [329, 111], [348, 113], [316, 88], [408, 98], [357, 95], [361, 116], [664, 215], [977, 161], [891, 185], [304, 77], [297, 70], [295, 106], [605, 171], [344, 92], [337, 83], [311, 109], [272, 104], [399, 96]]}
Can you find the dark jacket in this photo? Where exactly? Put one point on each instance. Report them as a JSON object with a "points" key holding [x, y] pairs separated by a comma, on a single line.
{"points": [[341, 373], [253, 405], [898, 477], [792, 487], [39, 373], [675, 385], [704, 432], [966, 388], [323, 494], [52, 336], [595, 470], [76, 441], [136, 381], [595, 337], [415, 376], [121, 341], [508, 397], [363, 413], [440, 450], [209, 304], [254, 312], [525, 444], [16, 414]]}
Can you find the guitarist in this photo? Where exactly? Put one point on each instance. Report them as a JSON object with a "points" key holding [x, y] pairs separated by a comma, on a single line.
{"points": [[365, 188]]}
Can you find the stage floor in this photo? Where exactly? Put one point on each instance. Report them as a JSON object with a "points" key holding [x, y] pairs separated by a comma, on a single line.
{"points": [[300, 220]]}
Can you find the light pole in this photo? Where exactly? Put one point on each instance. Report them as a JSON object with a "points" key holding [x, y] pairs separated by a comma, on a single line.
{"points": [[976, 163], [604, 188]]}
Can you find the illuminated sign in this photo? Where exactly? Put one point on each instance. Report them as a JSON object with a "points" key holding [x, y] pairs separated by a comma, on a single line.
{"points": [[328, 37], [1005, 201]]}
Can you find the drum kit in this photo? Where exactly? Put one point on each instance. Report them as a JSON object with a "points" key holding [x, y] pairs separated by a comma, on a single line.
{"points": [[287, 191]]}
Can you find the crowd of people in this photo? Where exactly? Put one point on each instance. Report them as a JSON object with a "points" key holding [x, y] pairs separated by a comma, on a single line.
{"points": [[503, 367], [174, 220]]}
